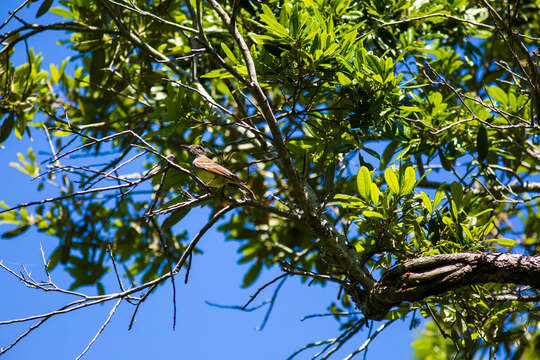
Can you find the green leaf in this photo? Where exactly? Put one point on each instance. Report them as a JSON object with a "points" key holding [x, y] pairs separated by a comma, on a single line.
{"points": [[175, 217], [454, 210], [408, 109], [498, 94], [478, 214], [468, 233], [55, 74], [343, 80], [408, 181], [369, 213], [439, 195], [391, 180], [294, 24], [228, 52], [273, 24], [374, 63], [378, 78], [388, 65], [388, 153], [487, 229], [54, 259], [31, 156], [435, 99], [457, 193], [427, 202], [374, 193], [63, 12], [371, 152], [363, 182], [252, 274], [15, 232], [45, 6], [346, 197], [7, 127], [482, 143], [217, 73], [100, 288], [503, 242]]}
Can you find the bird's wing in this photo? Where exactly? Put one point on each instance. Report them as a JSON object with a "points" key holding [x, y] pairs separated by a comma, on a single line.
{"points": [[203, 162]]}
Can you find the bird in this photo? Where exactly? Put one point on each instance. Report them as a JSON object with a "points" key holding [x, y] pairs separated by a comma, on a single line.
{"points": [[210, 172]]}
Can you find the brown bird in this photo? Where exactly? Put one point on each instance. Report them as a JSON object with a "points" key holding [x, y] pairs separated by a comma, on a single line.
{"points": [[212, 173]]}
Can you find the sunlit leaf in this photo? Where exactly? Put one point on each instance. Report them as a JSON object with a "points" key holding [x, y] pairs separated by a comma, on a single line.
{"points": [[409, 180], [374, 193], [391, 180], [363, 182], [372, 214], [427, 202]]}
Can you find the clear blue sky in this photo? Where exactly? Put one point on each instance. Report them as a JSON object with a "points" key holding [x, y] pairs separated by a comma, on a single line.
{"points": [[202, 332]]}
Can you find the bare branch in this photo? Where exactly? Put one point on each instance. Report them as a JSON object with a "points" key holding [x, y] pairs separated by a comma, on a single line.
{"points": [[111, 313]]}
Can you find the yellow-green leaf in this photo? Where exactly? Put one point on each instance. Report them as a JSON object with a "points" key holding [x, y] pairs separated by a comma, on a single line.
{"points": [[374, 193], [63, 12], [372, 214], [503, 242], [363, 182], [391, 180], [498, 94], [438, 197], [468, 233], [343, 80], [409, 180], [228, 52], [427, 202]]}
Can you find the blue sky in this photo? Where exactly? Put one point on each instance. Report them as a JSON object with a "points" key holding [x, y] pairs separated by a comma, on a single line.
{"points": [[202, 332]]}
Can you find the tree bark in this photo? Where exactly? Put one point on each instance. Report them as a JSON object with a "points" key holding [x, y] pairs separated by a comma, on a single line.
{"points": [[432, 275]]}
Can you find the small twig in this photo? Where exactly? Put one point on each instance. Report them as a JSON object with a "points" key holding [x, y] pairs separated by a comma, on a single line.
{"points": [[144, 297], [13, 13], [307, 317], [45, 263], [111, 255], [261, 289], [272, 302], [369, 340], [111, 313], [238, 307]]}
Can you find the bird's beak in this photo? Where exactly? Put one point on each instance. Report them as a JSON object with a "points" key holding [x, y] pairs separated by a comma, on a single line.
{"points": [[185, 147]]}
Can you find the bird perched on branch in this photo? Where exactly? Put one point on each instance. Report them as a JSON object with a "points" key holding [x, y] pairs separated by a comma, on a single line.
{"points": [[212, 173]]}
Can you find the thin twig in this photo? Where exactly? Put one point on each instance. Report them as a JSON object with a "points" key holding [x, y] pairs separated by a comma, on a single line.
{"points": [[369, 340], [111, 313], [261, 289], [272, 302]]}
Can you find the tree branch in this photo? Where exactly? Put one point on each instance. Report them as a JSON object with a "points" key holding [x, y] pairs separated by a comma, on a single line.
{"points": [[433, 275]]}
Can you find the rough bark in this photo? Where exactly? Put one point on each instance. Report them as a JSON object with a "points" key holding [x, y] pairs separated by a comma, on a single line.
{"points": [[419, 278]]}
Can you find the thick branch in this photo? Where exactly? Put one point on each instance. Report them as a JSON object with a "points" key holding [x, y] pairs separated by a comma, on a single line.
{"points": [[427, 276]]}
